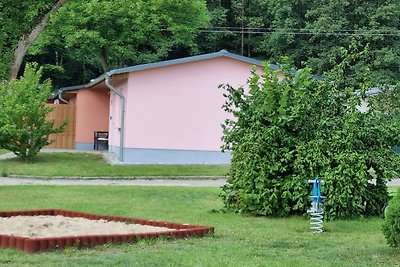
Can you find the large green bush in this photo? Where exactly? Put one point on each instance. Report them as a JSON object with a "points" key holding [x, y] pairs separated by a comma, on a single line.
{"points": [[292, 128], [391, 227], [24, 128]]}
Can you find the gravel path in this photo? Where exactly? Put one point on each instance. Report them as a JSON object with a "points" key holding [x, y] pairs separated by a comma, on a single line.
{"points": [[137, 182], [198, 182]]}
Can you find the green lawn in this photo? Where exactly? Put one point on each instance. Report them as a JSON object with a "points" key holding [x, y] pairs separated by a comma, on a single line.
{"points": [[3, 151], [238, 241], [93, 165]]}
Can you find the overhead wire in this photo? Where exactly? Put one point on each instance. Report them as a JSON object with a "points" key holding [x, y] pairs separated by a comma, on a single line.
{"points": [[301, 31]]}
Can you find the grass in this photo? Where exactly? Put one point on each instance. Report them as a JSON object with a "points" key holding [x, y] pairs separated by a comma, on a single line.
{"points": [[93, 165], [3, 151], [238, 241]]}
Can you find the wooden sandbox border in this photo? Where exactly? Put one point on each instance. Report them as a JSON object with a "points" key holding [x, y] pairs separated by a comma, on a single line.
{"points": [[33, 245]]}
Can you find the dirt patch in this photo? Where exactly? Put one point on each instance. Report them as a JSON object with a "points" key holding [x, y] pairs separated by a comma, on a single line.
{"points": [[58, 226]]}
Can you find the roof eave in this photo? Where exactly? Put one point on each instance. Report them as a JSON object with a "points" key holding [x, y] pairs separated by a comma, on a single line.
{"points": [[95, 81], [71, 88]]}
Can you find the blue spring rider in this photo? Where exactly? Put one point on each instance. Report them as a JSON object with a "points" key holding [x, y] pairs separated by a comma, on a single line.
{"points": [[316, 211]]}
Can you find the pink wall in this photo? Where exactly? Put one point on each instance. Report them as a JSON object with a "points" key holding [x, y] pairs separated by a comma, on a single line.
{"points": [[92, 111], [115, 109], [178, 106]]}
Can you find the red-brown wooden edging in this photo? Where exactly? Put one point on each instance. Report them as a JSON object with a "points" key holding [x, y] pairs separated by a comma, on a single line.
{"points": [[33, 245]]}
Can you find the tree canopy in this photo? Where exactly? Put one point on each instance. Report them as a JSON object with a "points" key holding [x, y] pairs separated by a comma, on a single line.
{"points": [[99, 35], [85, 38], [309, 31]]}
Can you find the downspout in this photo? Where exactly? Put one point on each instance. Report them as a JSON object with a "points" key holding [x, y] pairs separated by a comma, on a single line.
{"points": [[61, 98], [122, 127]]}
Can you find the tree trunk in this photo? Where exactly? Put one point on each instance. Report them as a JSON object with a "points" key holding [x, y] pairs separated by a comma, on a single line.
{"points": [[121, 62], [27, 40], [104, 59]]}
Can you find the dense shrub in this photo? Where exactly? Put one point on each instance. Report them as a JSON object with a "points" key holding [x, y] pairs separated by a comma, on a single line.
{"points": [[24, 128], [287, 130], [391, 227]]}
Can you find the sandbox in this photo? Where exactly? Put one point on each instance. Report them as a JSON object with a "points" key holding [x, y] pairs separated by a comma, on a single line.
{"points": [[117, 230]]}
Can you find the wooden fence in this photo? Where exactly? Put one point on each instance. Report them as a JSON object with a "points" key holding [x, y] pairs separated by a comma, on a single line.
{"points": [[59, 115]]}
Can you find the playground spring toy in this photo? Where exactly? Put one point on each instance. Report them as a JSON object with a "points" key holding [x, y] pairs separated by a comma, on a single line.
{"points": [[316, 211]]}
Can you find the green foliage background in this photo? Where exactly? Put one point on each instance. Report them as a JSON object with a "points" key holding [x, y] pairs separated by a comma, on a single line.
{"points": [[84, 37], [294, 127]]}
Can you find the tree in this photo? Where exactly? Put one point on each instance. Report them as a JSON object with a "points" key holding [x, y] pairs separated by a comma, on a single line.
{"points": [[287, 131], [314, 31], [21, 25], [24, 128], [217, 35], [101, 35], [26, 41]]}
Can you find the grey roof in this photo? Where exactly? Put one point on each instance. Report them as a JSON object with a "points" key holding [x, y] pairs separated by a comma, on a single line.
{"points": [[222, 53], [72, 88], [373, 91]]}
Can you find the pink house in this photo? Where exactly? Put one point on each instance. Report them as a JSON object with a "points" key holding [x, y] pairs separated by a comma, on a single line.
{"points": [[168, 112]]}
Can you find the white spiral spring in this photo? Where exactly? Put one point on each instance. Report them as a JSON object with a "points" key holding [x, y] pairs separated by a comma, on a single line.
{"points": [[317, 220]]}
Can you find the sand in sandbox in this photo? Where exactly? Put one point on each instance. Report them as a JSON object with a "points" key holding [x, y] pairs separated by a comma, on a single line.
{"points": [[58, 226]]}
